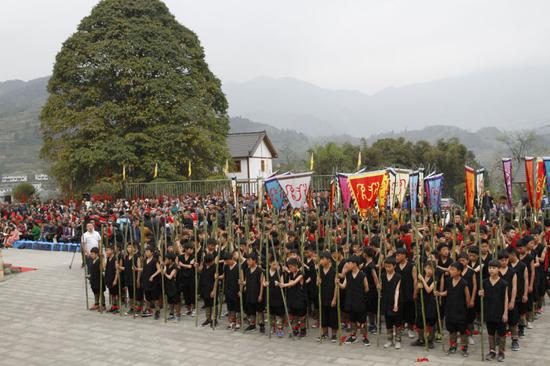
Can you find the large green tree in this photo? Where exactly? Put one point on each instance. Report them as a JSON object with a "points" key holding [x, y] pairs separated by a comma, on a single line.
{"points": [[131, 87], [445, 156]]}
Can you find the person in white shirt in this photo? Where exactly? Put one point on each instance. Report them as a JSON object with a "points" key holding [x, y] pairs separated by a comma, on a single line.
{"points": [[90, 239]]}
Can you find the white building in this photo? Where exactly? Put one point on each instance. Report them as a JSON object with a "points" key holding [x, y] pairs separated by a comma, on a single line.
{"points": [[252, 154], [14, 178], [41, 177]]}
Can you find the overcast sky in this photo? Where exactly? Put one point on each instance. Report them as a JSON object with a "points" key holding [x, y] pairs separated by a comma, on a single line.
{"points": [[355, 44]]}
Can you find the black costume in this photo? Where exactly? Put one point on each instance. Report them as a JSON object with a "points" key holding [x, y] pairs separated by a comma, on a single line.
{"points": [[329, 314], [389, 287]]}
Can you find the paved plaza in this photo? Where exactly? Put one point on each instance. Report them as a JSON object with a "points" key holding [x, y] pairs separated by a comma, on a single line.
{"points": [[43, 321]]}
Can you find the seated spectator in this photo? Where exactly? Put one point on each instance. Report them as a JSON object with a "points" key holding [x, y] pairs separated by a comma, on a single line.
{"points": [[12, 237], [35, 232]]}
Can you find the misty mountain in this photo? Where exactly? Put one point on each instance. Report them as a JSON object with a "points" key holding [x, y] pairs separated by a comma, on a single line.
{"points": [[20, 140], [298, 115], [18, 96], [507, 99]]}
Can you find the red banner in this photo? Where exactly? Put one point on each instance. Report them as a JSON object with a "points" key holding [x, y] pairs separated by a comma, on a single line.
{"points": [[530, 180], [541, 180], [470, 190], [365, 189]]}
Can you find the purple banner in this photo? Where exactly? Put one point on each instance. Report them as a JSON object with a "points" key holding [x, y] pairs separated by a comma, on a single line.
{"points": [[413, 190], [344, 190], [507, 170]]}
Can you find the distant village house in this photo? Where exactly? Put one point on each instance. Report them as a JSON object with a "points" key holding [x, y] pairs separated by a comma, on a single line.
{"points": [[252, 155]]}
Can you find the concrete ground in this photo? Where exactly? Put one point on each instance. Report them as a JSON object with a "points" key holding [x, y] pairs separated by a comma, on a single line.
{"points": [[44, 321]]}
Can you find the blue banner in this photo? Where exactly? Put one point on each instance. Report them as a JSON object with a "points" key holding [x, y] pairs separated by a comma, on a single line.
{"points": [[547, 170], [413, 190], [275, 192], [434, 186]]}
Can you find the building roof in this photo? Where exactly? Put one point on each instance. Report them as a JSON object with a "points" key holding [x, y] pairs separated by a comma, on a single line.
{"points": [[244, 144]]}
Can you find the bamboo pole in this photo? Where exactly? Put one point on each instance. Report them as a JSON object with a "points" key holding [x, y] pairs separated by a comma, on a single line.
{"points": [[267, 274], [101, 294], [338, 300], [196, 274], [380, 264], [282, 292], [163, 272], [318, 282], [241, 279], [482, 310], [421, 272], [85, 263], [119, 282]]}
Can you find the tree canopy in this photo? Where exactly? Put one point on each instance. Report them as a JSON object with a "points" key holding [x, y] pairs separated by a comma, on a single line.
{"points": [[23, 192], [445, 156], [131, 87]]}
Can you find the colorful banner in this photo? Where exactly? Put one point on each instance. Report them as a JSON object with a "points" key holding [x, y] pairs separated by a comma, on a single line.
{"points": [[344, 189], [398, 183], [530, 180], [296, 188], [413, 190], [260, 193], [547, 170], [434, 185], [392, 177], [541, 178], [421, 187], [480, 185], [332, 198], [507, 170], [383, 192], [470, 187], [274, 192], [365, 189]]}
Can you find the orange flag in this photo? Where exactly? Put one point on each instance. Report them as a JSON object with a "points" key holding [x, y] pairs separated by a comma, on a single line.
{"points": [[470, 190]]}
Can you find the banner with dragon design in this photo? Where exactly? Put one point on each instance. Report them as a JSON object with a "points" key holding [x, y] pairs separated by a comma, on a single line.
{"points": [[366, 188], [295, 188]]}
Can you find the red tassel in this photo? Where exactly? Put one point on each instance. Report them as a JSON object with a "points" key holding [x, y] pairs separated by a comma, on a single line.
{"points": [[422, 359]]}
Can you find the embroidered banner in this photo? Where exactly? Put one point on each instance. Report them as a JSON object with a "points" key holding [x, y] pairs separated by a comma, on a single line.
{"points": [[480, 185], [402, 185], [383, 192], [530, 180], [547, 170], [344, 190], [332, 198], [421, 187], [541, 177], [470, 190], [507, 170], [413, 190], [365, 189], [296, 188], [392, 177], [274, 192], [433, 190], [260, 194]]}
